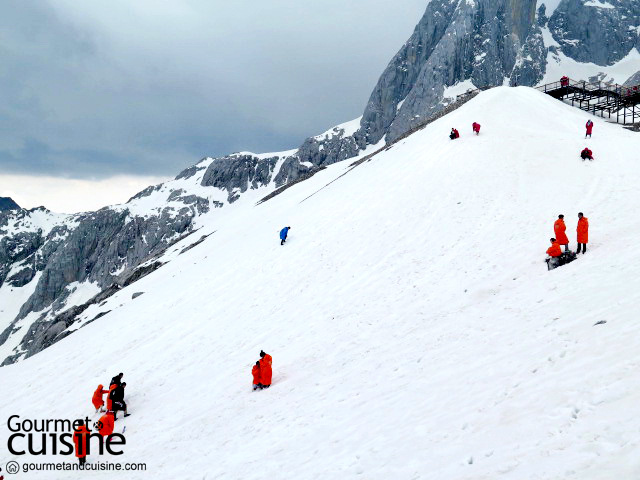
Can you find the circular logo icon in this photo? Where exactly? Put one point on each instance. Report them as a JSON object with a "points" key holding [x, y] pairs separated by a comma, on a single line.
{"points": [[13, 467]]}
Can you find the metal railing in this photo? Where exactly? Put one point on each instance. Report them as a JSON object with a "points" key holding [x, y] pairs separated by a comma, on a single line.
{"points": [[594, 97]]}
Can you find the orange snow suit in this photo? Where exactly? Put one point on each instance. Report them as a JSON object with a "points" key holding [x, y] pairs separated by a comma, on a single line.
{"points": [[255, 371], [97, 397], [559, 228], [554, 250], [583, 230], [265, 369], [81, 438], [112, 387], [105, 424]]}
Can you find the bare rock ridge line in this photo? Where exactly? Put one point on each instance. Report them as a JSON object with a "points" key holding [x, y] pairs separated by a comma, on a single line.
{"points": [[7, 203]]}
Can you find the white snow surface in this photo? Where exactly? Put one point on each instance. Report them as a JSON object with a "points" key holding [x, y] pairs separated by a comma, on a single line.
{"points": [[414, 328], [550, 5], [458, 89], [597, 4], [36, 219], [344, 129]]}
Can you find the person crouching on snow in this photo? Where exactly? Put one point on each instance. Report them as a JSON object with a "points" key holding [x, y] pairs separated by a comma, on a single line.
{"points": [[554, 252]]}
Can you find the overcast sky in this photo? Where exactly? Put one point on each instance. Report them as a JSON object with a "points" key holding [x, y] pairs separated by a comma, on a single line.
{"points": [[104, 90]]}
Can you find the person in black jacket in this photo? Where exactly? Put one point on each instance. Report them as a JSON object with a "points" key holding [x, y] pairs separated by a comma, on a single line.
{"points": [[117, 380], [117, 400]]}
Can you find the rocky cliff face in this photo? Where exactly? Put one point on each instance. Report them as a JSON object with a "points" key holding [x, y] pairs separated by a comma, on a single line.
{"points": [[597, 31], [633, 80], [50, 255], [485, 41], [7, 203], [470, 42]]}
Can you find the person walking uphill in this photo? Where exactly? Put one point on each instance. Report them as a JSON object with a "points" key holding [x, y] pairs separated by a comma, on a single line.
{"points": [[109, 402], [589, 127], [117, 380], [97, 397], [476, 127], [583, 233], [265, 369], [559, 228], [117, 400], [283, 235]]}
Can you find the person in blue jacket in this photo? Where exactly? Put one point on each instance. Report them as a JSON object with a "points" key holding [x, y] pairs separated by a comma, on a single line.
{"points": [[283, 235]]}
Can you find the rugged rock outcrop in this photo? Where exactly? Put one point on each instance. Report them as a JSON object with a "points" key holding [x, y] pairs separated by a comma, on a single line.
{"points": [[633, 80], [485, 41], [102, 248], [597, 31], [7, 203]]}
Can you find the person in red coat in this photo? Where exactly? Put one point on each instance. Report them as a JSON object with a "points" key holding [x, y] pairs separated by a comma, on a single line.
{"points": [[559, 228], [554, 252], [265, 369], [564, 81], [105, 424], [476, 127], [255, 371], [586, 153], [81, 440], [583, 232], [97, 397], [454, 134], [589, 127]]}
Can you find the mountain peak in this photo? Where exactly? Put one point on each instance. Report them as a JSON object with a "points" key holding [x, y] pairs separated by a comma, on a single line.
{"points": [[7, 203]]}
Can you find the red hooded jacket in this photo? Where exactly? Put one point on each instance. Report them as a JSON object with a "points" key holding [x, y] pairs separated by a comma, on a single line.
{"points": [[559, 228], [583, 230], [589, 126], [81, 438], [105, 424], [97, 397], [255, 371], [554, 250], [265, 369]]}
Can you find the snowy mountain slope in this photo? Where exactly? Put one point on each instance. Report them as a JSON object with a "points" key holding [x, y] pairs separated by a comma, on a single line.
{"points": [[456, 45], [46, 259], [414, 328]]}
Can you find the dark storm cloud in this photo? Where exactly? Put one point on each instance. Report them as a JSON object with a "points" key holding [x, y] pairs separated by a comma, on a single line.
{"points": [[94, 89]]}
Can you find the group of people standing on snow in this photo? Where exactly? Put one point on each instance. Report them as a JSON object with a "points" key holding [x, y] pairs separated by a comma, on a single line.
{"points": [[262, 372], [104, 426], [475, 126], [556, 256]]}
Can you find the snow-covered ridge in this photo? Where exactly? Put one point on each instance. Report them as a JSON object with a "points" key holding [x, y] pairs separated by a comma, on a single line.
{"points": [[345, 129]]}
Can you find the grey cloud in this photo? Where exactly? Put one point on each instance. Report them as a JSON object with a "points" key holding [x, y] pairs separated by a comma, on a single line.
{"points": [[94, 89]]}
